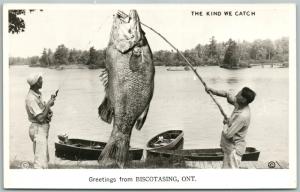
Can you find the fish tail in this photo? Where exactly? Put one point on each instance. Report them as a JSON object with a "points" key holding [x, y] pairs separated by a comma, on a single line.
{"points": [[115, 152]]}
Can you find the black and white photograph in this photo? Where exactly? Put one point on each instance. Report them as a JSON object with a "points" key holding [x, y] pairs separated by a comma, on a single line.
{"points": [[149, 96]]}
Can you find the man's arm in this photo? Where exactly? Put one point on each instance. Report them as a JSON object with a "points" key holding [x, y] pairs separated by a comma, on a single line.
{"points": [[220, 93], [44, 115], [230, 97]]}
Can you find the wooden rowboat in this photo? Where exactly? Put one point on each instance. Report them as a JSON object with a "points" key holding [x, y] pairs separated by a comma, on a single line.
{"points": [[80, 149], [167, 140], [216, 154]]}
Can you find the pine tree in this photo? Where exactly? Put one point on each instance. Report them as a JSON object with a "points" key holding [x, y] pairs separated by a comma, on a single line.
{"points": [[92, 56], [212, 52], [231, 58], [50, 57], [72, 56], [61, 55], [44, 58]]}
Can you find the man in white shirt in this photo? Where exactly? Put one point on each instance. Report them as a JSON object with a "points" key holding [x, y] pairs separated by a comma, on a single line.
{"points": [[235, 128], [39, 114]]}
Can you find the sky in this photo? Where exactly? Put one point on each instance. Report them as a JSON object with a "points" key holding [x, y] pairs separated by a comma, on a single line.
{"points": [[83, 26]]}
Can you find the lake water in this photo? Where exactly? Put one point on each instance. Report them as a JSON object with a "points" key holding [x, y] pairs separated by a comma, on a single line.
{"points": [[179, 102]]}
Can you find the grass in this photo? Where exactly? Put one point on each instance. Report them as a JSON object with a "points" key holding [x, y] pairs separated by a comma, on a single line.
{"points": [[136, 164], [157, 163], [149, 164]]}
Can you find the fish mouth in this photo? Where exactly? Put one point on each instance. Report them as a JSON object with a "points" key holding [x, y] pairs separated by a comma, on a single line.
{"points": [[133, 16], [127, 30]]}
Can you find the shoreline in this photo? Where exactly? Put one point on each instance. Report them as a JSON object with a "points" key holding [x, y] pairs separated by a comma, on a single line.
{"points": [[169, 68], [61, 67], [152, 164]]}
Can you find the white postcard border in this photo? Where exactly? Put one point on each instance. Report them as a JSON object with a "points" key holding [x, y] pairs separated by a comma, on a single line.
{"points": [[216, 179]]}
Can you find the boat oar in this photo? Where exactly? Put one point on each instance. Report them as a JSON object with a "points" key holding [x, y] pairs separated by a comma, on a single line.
{"points": [[124, 15]]}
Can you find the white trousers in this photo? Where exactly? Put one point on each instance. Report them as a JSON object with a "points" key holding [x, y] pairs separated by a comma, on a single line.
{"points": [[39, 135], [231, 160]]}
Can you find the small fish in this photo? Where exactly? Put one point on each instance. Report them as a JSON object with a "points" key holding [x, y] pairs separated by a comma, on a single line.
{"points": [[129, 85]]}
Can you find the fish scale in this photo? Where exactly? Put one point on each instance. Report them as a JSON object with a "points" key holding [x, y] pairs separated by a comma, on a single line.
{"points": [[129, 89]]}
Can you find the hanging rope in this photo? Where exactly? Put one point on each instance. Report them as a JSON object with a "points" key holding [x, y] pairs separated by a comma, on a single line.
{"points": [[122, 14], [100, 27]]}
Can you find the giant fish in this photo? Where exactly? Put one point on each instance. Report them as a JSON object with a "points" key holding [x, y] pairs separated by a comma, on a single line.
{"points": [[129, 85]]}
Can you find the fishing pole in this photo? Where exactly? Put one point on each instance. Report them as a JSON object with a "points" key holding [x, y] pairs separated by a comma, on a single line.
{"points": [[124, 15], [89, 42], [99, 28], [55, 94], [60, 86]]}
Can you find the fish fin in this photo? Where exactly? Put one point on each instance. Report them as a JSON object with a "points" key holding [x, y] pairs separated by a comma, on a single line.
{"points": [[141, 120], [104, 78], [105, 110], [136, 59]]}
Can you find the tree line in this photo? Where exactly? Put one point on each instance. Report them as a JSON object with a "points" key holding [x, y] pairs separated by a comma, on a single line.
{"points": [[64, 56], [230, 54]]}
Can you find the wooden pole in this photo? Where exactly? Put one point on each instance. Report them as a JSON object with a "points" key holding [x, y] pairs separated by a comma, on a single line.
{"points": [[188, 63]]}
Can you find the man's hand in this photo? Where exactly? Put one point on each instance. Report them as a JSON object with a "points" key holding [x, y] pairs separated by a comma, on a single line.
{"points": [[46, 116], [225, 121], [51, 101], [49, 116], [207, 89]]}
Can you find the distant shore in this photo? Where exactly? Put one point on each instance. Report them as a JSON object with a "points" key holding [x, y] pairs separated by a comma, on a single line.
{"points": [[169, 68], [71, 66]]}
